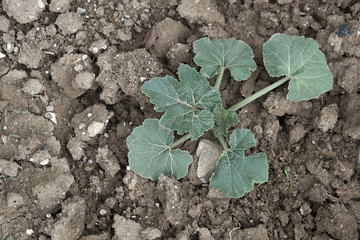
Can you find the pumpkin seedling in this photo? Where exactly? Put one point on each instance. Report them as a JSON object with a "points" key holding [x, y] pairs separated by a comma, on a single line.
{"points": [[191, 107]]}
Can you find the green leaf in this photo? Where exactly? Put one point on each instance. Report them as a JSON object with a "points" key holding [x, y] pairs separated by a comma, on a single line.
{"points": [[224, 119], [301, 59], [214, 54], [187, 104], [150, 153], [236, 173]]}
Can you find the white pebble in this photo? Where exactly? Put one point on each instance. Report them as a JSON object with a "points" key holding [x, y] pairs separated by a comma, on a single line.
{"points": [[45, 162], [41, 4], [29, 231], [2, 55]]}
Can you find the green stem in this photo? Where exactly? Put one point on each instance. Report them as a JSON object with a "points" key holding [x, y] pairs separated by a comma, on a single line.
{"points": [[259, 94], [223, 142], [180, 140], [219, 78]]}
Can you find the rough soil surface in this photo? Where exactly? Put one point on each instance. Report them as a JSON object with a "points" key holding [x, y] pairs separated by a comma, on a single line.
{"points": [[70, 77]]}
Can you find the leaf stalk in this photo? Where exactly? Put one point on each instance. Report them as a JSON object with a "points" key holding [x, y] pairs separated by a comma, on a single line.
{"points": [[259, 94], [223, 142], [181, 140], [219, 79]]}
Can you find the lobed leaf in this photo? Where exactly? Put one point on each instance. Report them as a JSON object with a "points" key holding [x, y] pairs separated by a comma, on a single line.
{"points": [[301, 59], [150, 154], [187, 104], [214, 54], [236, 173], [224, 119]]}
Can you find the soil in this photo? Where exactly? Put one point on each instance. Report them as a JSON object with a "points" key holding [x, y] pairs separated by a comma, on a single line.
{"points": [[71, 73]]}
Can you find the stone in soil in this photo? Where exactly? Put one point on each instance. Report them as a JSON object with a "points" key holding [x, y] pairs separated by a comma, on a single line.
{"points": [[328, 118], [59, 5], [168, 32], [208, 153], [24, 11], [9, 168], [259, 232], [72, 220], [107, 161], [126, 71], [54, 185], [91, 122], [33, 86], [202, 12], [66, 70], [76, 148], [69, 23]]}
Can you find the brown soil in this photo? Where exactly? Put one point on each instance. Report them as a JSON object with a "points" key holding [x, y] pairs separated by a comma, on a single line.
{"points": [[70, 95]]}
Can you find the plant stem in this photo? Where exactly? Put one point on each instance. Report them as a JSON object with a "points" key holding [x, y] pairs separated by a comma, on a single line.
{"points": [[223, 142], [180, 140], [259, 94], [219, 78]]}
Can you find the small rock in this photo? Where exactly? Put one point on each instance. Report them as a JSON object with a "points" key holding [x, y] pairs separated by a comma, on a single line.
{"points": [[95, 128], [151, 233], [9, 168], [125, 70], [14, 199], [168, 32], [328, 118], [30, 54], [296, 133], [175, 206], [98, 45], [41, 157], [86, 127], [208, 153], [107, 161], [4, 24], [203, 12], [85, 80], [69, 23], [59, 5], [24, 11], [259, 232], [51, 191], [76, 148], [72, 220], [126, 229], [33, 86]]}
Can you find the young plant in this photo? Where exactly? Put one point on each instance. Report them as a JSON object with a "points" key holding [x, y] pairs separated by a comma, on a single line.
{"points": [[191, 107]]}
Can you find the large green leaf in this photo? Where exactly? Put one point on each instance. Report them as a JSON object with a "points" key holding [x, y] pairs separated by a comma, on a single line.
{"points": [[187, 104], [214, 54], [236, 173], [150, 154], [224, 119], [301, 59]]}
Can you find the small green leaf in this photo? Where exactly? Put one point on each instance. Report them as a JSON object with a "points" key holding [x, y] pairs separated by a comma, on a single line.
{"points": [[301, 59], [214, 54], [236, 173], [150, 153], [224, 119], [187, 104]]}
